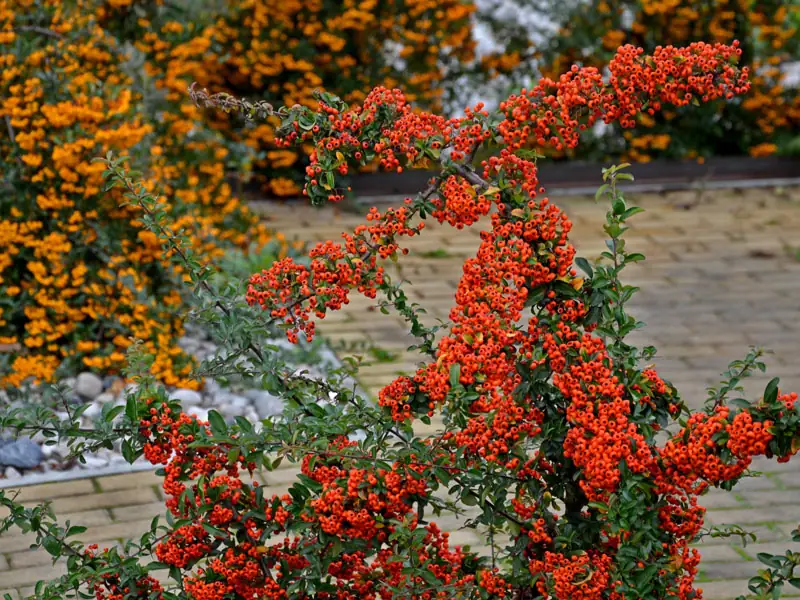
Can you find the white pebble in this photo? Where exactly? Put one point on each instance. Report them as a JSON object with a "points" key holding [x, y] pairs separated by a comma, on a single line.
{"points": [[94, 410], [88, 385], [212, 387], [231, 404], [186, 397], [94, 462], [12, 473], [105, 398], [266, 404], [199, 412]]}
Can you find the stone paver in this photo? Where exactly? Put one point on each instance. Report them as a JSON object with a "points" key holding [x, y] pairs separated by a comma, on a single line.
{"points": [[719, 277]]}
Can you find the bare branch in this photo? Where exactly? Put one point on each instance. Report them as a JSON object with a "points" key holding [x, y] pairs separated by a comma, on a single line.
{"points": [[41, 31]]}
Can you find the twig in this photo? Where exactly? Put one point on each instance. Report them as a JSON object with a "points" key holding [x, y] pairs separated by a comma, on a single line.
{"points": [[40, 30], [472, 176], [13, 137]]}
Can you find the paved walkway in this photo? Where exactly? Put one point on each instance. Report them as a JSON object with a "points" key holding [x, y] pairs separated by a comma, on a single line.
{"points": [[723, 273]]}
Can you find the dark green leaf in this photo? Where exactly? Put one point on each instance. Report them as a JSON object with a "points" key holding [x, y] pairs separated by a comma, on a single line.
{"points": [[771, 391], [217, 422], [131, 410], [584, 266], [455, 374], [769, 560], [52, 545]]}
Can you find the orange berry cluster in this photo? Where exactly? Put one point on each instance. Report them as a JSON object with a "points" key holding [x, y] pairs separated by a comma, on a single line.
{"points": [[525, 261], [110, 585], [349, 505], [555, 112], [770, 111], [295, 293], [578, 577], [555, 429]]}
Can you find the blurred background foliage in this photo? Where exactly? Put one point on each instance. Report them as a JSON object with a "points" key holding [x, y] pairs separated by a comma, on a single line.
{"points": [[81, 77], [447, 53]]}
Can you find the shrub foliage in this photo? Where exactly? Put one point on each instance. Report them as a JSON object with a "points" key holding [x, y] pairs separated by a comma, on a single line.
{"points": [[79, 274]]}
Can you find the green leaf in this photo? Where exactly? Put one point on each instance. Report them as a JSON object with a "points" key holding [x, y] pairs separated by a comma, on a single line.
{"points": [[217, 422], [213, 531], [244, 424], [75, 530], [128, 453], [739, 403], [633, 210], [455, 374], [585, 266], [52, 545], [769, 560], [771, 391], [469, 499], [131, 409]]}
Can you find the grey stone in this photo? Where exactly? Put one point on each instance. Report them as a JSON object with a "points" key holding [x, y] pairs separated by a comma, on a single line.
{"points": [[94, 410], [266, 404], [76, 400], [22, 453], [212, 387], [188, 344], [186, 397], [12, 473], [105, 398], [231, 404], [88, 385]]}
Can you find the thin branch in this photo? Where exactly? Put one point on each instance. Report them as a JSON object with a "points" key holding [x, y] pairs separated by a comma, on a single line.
{"points": [[472, 176], [40, 30], [13, 137]]}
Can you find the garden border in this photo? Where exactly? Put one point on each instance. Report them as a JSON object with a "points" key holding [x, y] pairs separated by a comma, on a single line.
{"points": [[123, 468], [582, 178]]}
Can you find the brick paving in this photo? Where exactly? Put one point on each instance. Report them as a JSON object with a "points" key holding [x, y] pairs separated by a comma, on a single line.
{"points": [[723, 273]]}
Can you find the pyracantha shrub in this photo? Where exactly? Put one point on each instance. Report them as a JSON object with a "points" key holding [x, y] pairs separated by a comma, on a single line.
{"points": [[79, 274], [764, 122], [582, 467]]}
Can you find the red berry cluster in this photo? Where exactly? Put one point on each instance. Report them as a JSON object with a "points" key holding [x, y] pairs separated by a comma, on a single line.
{"points": [[526, 254], [521, 315]]}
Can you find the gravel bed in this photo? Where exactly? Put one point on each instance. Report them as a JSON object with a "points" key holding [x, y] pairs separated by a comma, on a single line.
{"points": [[24, 461]]}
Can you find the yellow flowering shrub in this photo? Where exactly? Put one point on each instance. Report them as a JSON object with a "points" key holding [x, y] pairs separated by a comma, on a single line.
{"points": [[760, 123], [79, 276], [282, 51]]}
